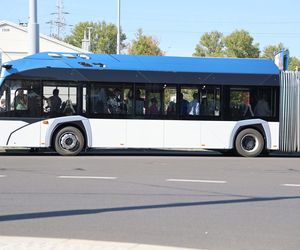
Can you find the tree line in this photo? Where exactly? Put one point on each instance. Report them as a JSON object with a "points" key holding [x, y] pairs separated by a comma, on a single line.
{"points": [[238, 44]]}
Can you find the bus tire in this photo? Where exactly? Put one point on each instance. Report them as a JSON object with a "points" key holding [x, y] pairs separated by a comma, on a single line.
{"points": [[249, 143], [68, 141]]}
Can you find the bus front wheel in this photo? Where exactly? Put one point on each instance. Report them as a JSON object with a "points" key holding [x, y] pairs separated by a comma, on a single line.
{"points": [[249, 143], [69, 141]]}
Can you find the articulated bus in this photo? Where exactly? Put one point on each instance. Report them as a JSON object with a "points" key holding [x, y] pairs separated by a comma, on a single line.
{"points": [[74, 102]]}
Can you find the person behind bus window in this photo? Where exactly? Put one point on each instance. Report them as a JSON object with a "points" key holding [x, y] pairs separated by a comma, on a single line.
{"points": [[21, 100], [171, 110], [262, 108], [2, 105], [184, 105], [68, 108], [194, 105], [54, 102], [153, 109], [139, 103], [129, 102], [101, 102], [34, 102], [114, 103], [246, 105]]}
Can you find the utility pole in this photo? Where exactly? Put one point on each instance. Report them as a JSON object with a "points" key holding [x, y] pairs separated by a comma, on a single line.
{"points": [[86, 41], [33, 29], [119, 29], [59, 20]]}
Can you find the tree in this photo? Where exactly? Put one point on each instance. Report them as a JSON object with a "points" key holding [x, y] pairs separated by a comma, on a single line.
{"points": [[103, 37], [294, 63], [240, 44], [210, 44], [144, 45], [270, 50]]}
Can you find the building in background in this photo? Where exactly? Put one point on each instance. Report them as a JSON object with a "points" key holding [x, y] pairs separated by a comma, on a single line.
{"points": [[14, 42]]}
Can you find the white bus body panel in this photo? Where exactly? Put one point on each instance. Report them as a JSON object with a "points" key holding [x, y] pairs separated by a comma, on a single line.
{"points": [[27, 135], [126, 133], [145, 134], [182, 134], [216, 134], [274, 130], [108, 133], [7, 127]]}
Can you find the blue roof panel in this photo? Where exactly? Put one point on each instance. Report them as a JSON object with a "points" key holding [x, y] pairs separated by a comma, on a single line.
{"points": [[146, 63]]}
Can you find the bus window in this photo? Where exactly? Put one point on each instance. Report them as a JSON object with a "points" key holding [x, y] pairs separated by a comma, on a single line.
{"points": [[59, 99], [241, 103], [210, 101], [170, 94], [153, 100], [112, 100], [21, 98], [190, 101], [264, 102]]}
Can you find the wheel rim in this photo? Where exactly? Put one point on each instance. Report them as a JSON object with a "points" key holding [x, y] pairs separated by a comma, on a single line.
{"points": [[249, 143], [69, 141]]}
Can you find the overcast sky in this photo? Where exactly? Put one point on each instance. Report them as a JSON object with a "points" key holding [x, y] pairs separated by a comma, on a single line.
{"points": [[177, 24]]}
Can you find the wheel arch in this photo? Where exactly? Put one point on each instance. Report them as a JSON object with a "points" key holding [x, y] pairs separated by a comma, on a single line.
{"points": [[260, 125], [82, 124], [75, 124]]}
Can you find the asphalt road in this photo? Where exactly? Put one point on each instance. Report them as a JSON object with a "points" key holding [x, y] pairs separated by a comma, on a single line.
{"points": [[200, 201]]}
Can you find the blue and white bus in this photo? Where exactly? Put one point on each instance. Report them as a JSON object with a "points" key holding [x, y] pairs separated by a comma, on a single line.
{"points": [[74, 102]]}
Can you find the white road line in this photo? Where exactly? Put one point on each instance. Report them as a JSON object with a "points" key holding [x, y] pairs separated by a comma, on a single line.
{"points": [[199, 181], [86, 177], [1, 176], [290, 185]]}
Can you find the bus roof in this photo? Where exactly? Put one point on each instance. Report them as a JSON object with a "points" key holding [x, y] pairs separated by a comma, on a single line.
{"points": [[95, 67]]}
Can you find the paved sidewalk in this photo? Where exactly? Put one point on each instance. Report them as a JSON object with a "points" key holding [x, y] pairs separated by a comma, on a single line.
{"points": [[27, 243]]}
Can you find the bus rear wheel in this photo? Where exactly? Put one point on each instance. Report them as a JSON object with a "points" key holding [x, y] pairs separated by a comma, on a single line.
{"points": [[249, 143], [69, 141]]}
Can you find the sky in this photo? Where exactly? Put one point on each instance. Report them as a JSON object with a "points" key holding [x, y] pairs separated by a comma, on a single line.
{"points": [[176, 24]]}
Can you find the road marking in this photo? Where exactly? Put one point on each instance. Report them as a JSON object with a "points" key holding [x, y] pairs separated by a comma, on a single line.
{"points": [[290, 185], [200, 181], [1, 176], [86, 177]]}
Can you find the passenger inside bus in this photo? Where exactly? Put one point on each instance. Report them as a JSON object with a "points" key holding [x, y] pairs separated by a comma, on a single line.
{"points": [[54, 103], [262, 108], [139, 103], [2, 105], [101, 102], [184, 105], [246, 105], [194, 105], [171, 110], [20, 100], [68, 108], [34, 102], [114, 103], [153, 108]]}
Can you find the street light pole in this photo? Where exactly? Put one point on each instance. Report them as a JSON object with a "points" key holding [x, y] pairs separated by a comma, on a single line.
{"points": [[119, 29], [33, 29]]}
